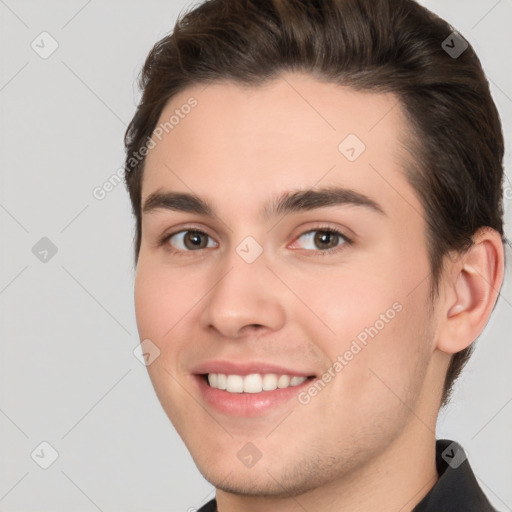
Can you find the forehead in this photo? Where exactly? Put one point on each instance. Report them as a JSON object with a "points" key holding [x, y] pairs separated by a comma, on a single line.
{"points": [[244, 143]]}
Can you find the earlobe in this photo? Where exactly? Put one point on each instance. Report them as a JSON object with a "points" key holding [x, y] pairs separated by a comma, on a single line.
{"points": [[473, 292]]}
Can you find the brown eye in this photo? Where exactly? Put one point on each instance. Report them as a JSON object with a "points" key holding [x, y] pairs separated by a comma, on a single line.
{"points": [[324, 240], [189, 240]]}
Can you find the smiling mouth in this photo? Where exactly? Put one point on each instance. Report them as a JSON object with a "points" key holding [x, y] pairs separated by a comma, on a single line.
{"points": [[252, 383]]}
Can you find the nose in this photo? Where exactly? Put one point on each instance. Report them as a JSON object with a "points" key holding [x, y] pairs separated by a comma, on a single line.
{"points": [[247, 298]]}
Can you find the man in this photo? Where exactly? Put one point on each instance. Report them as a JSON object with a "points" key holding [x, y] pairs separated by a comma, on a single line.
{"points": [[317, 189]]}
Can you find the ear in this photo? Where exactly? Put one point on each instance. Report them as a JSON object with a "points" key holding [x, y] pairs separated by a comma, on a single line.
{"points": [[471, 290]]}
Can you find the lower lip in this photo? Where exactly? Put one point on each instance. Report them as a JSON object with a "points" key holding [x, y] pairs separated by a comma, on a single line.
{"points": [[248, 404]]}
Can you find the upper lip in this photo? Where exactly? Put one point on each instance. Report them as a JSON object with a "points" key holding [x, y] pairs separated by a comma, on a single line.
{"points": [[246, 368]]}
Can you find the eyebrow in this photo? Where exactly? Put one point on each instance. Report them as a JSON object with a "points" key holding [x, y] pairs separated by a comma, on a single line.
{"points": [[285, 203]]}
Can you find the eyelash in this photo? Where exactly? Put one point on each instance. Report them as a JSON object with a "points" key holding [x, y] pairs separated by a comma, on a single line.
{"points": [[324, 229]]}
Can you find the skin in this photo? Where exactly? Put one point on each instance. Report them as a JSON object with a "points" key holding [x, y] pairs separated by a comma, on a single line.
{"points": [[367, 440]]}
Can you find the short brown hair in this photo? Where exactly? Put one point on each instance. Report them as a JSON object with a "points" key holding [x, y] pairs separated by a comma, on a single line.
{"points": [[392, 46]]}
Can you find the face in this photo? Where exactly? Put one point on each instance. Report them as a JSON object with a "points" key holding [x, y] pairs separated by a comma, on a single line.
{"points": [[275, 282]]}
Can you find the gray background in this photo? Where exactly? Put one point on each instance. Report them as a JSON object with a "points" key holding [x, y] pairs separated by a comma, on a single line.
{"points": [[68, 373]]}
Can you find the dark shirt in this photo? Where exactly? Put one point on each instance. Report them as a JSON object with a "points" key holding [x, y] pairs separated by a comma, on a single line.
{"points": [[455, 491]]}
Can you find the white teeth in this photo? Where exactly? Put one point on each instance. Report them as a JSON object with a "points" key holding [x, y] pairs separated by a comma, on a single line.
{"points": [[235, 384], [269, 382], [283, 382], [221, 380], [295, 381], [252, 383]]}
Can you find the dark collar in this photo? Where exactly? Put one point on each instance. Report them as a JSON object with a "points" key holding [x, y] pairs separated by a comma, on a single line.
{"points": [[457, 488], [455, 491]]}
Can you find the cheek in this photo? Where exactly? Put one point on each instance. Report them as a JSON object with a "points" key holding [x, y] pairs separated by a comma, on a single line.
{"points": [[167, 304], [388, 373], [162, 303], [378, 324], [339, 305], [162, 299], [150, 302]]}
